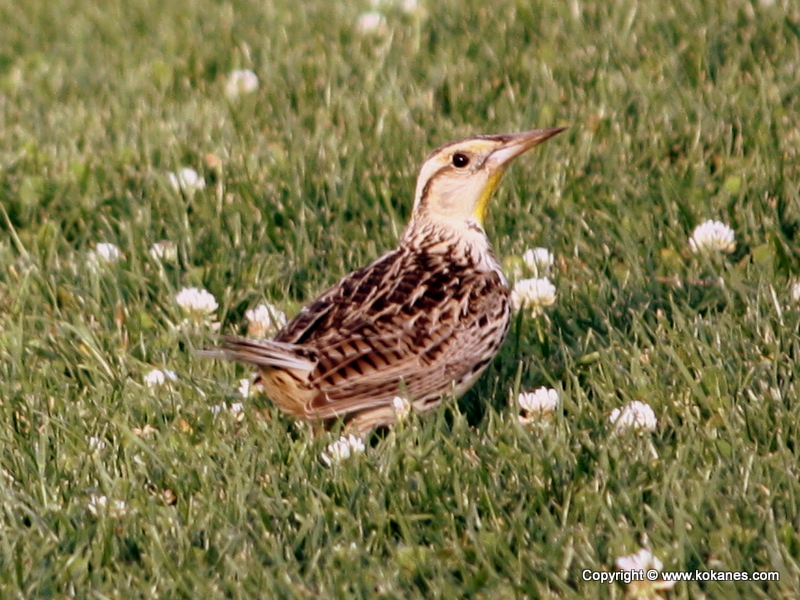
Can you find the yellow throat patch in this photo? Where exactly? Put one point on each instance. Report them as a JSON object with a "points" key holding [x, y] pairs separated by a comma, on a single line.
{"points": [[483, 202]]}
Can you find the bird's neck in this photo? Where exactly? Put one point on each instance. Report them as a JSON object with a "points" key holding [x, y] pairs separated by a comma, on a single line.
{"points": [[461, 242]]}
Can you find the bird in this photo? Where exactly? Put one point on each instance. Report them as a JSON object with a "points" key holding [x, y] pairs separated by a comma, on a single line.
{"points": [[421, 322]]}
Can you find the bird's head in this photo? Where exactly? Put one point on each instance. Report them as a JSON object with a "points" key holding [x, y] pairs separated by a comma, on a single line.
{"points": [[457, 180]]}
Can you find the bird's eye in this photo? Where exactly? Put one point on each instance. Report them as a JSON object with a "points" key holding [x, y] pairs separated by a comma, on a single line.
{"points": [[460, 160]]}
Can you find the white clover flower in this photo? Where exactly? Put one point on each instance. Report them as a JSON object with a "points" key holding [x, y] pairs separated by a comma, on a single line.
{"points": [[796, 291], [241, 82], [634, 416], [144, 432], [538, 260], [342, 449], [370, 22], [236, 410], [534, 294], [407, 6], [186, 180], [165, 251], [640, 561], [196, 301], [245, 388], [106, 252], [541, 401], [263, 320], [712, 236], [643, 561], [99, 504], [401, 407], [158, 377]]}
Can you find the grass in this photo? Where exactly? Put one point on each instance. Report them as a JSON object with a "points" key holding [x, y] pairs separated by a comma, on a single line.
{"points": [[678, 114]]}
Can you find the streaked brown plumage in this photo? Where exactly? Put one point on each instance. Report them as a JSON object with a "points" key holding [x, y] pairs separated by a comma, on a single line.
{"points": [[422, 321]]}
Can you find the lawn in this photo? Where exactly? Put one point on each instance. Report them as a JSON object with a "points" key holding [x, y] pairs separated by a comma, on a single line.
{"points": [[114, 484]]}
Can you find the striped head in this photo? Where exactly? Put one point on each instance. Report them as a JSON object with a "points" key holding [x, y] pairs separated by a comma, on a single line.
{"points": [[458, 179]]}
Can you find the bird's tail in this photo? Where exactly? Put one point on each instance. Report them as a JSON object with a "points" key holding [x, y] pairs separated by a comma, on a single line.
{"points": [[262, 353]]}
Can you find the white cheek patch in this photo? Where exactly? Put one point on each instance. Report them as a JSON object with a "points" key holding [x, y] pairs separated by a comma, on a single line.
{"points": [[456, 196]]}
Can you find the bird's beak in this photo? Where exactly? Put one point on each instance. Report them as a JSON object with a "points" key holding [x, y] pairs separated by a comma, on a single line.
{"points": [[515, 144], [511, 146]]}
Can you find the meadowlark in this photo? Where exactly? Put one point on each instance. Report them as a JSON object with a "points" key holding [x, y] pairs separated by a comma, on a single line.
{"points": [[422, 321]]}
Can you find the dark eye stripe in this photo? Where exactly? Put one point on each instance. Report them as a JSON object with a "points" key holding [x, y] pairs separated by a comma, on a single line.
{"points": [[428, 184]]}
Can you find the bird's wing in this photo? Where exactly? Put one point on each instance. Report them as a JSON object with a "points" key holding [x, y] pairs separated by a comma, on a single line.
{"points": [[344, 304], [422, 339]]}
